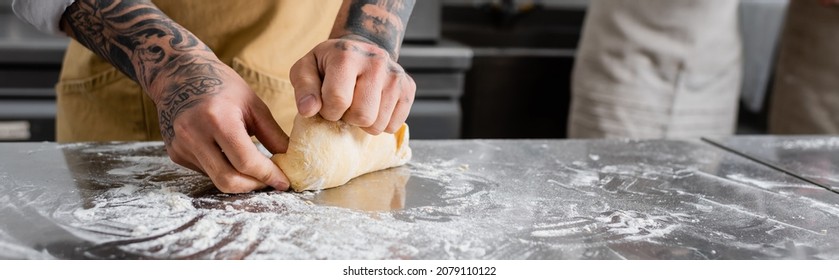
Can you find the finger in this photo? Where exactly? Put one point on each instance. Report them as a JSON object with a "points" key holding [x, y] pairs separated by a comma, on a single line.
{"points": [[184, 156], [403, 105], [337, 91], [390, 95], [366, 99], [222, 174], [267, 130], [305, 78], [181, 158], [247, 160]]}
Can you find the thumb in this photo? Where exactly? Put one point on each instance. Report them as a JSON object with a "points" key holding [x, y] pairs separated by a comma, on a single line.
{"points": [[267, 131], [305, 78]]}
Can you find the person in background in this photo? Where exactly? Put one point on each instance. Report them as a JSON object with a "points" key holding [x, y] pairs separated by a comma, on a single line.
{"points": [[206, 75], [805, 95], [657, 69], [673, 69]]}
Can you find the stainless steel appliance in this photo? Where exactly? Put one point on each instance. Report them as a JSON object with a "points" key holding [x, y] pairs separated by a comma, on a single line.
{"points": [[29, 65]]}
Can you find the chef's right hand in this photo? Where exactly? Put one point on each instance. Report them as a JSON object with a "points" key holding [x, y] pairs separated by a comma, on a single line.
{"points": [[207, 114], [354, 80]]}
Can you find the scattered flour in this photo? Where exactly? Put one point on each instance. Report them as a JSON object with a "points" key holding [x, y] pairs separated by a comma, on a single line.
{"points": [[820, 143], [634, 225], [147, 207], [161, 221], [765, 183]]}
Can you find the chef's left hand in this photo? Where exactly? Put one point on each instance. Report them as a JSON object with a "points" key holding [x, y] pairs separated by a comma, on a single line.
{"points": [[354, 80]]}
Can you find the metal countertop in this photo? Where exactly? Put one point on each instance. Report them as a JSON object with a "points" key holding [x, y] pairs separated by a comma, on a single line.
{"points": [[815, 158], [460, 199]]}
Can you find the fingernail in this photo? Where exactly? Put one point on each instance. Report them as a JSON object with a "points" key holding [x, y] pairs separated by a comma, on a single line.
{"points": [[281, 186]]}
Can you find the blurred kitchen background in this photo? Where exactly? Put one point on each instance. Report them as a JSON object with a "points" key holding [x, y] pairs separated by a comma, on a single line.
{"points": [[483, 68]]}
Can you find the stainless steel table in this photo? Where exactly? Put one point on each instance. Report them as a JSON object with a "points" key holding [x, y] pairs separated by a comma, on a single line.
{"points": [[463, 199], [815, 158]]}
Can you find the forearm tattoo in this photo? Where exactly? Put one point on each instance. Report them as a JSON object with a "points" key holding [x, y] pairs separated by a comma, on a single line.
{"points": [[196, 79], [382, 22], [145, 44]]}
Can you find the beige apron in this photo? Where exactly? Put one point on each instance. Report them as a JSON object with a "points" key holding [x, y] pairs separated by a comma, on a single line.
{"points": [[657, 69], [805, 97], [260, 39]]}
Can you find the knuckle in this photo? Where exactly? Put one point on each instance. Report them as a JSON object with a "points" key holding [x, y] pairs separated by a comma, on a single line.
{"points": [[295, 76], [378, 127], [295, 68], [222, 184], [215, 121], [372, 50], [379, 60], [230, 137], [340, 62], [306, 81], [393, 126], [411, 85], [249, 167], [330, 114], [362, 118], [216, 112], [408, 97], [372, 131], [337, 100], [392, 93], [226, 183], [387, 106], [380, 52], [177, 158]]}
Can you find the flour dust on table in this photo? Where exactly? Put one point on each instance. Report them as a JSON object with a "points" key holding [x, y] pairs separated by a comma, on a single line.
{"points": [[466, 199]]}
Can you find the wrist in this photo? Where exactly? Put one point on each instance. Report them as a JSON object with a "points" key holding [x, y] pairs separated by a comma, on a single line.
{"points": [[179, 71], [381, 22], [369, 40]]}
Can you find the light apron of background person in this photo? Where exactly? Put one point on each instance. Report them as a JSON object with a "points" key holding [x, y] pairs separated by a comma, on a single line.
{"points": [[657, 69], [805, 97], [260, 39]]}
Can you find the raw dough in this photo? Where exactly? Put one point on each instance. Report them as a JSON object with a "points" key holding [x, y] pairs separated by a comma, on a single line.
{"points": [[324, 154]]}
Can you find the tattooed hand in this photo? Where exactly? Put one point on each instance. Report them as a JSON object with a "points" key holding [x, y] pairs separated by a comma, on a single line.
{"points": [[206, 111], [207, 114], [354, 76]]}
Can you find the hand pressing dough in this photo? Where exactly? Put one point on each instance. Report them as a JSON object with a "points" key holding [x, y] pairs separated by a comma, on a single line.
{"points": [[324, 154]]}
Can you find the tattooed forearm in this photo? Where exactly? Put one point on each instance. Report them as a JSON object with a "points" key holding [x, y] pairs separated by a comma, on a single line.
{"points": [[194, 80], [381, 22], [133, 35], [183, 98], [145, 44]]}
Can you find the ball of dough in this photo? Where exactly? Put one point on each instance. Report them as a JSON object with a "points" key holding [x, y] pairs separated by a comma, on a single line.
{"points": [[325, 154]]}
